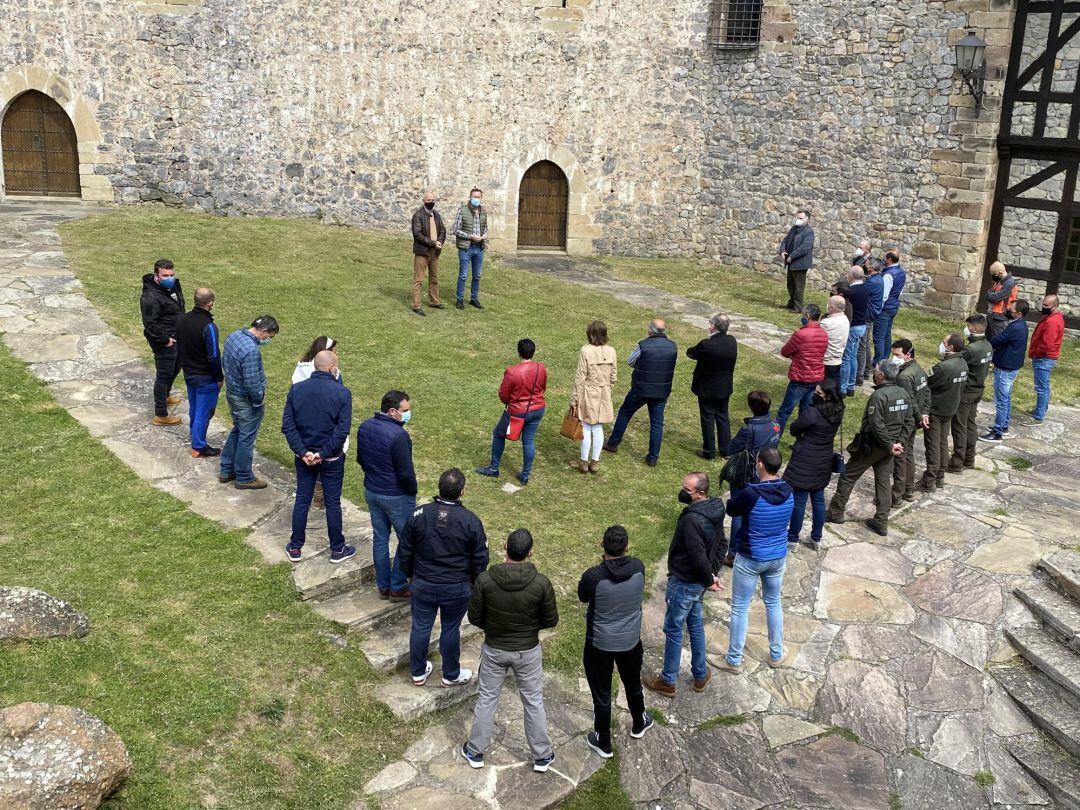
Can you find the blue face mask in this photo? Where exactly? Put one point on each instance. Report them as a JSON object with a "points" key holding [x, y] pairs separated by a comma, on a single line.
{"points": [[804, 320], [264, 342], [406, 416], [167, 283], [474, 202]]}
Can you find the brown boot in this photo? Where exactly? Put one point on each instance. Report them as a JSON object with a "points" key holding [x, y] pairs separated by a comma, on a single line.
{"points": [[594, 467], [580, 466], [699, 686], [164, 421], [318, 500], [654, 683], [173, 399], [258, 483]]}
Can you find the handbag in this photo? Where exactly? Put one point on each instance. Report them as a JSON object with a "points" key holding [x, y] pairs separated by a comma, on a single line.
{"points": [[517, 423], [839, 466], [571, 426]]}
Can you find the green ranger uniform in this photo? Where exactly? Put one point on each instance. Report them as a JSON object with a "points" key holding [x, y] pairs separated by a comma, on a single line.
{"points": [[913, 380], [888, 418], [964, 430], [947, 381]]}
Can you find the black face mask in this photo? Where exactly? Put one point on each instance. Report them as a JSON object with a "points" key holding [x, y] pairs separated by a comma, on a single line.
{"points": [[429, 205], [1046, 310], [684, 497]]}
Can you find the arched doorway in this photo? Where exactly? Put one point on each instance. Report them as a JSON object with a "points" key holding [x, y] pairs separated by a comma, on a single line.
{"points": [[40, 150], [543, 201]]}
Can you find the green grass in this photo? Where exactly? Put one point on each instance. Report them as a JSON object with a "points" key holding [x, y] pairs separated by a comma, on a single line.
{"points": [[762, 296], [722, 721], [1018, 463], [601, 791], [984, 778], [844, 732]]}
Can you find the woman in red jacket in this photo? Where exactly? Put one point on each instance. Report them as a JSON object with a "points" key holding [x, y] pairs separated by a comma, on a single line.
{"points": [[522, 392], [1044, 350]]}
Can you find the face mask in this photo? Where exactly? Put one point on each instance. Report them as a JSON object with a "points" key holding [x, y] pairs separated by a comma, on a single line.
{"points": [[967, 332], [799, 222], [264, 342], [684, 497], [1046, 310], [429, 205], [804, 320], [406, 416], [168, 283], [858, 253], [474, 202], [942, 350], [896, 361]]}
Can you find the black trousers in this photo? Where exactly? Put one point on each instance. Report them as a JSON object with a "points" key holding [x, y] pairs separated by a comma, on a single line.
{"points": [[833, 372], [715, 426], [796, 288], [167, 365], [599, 666]]}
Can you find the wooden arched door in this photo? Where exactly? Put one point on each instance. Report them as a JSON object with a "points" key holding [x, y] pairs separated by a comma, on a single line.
{"points": [[41, 153], [543, 200]]}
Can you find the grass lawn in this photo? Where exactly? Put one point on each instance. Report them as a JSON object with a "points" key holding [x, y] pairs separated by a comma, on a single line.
{"points": [[762, 296]]}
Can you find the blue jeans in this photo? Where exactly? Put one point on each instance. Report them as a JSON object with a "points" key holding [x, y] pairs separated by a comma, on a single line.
{"points": [[744, 580], [1041, 367], [883, 336], [528, 440], [202, 402], [332, 475], [387, 511], [817, 507], [849, 366], [239, 449], [472, 256], [683, 607], [631, 405], [1003, 386], [452, 602], [797, 393]]}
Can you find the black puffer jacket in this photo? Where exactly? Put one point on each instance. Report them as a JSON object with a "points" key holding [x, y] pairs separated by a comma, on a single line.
{"points": [[512, 603], [810, 466], [698, 544], [160, 309]]}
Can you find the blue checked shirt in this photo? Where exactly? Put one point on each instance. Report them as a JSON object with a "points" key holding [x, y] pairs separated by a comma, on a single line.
{"points": [[242, 360]]}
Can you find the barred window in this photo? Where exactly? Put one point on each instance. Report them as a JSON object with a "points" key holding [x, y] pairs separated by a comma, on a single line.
{"points": [[735, 24]]}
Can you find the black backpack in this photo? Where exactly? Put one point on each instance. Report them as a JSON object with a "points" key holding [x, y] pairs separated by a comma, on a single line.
{"points": [[740, 469]]}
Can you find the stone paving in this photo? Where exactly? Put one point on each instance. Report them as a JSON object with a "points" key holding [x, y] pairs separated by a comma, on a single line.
{"points": [[885, 701]]}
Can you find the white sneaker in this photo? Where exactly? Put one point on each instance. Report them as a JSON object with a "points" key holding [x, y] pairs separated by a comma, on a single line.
{"points": [[464, 676], [420, 680]]}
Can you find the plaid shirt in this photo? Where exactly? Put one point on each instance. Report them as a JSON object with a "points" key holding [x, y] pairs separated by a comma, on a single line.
{"points": [[459, 224], [243, 366]]}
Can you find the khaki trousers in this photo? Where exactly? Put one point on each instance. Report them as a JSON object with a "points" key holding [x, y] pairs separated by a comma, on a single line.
{"points": [[965, 431], [936, 442], [430, 265], [904, 469], [882, 461]]}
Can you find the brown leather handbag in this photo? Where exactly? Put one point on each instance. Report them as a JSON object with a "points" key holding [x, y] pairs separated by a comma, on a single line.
{"points": [[571, 426]]}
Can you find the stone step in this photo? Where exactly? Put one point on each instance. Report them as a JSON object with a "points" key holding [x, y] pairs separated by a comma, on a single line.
{"points": [[359, 609], [1056, 610], [1045, 702], [1052, 768], [407, 702], [315, 577], [387, 647], [1064, 568], [1048, 654]]}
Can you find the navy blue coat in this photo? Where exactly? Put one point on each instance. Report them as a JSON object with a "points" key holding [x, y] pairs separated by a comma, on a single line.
{"points": [[384, 452], [1010, 345], [317, 416]]}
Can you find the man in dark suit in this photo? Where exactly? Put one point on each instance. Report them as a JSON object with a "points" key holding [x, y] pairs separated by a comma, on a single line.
{"points": [[797, 254], [712, 385]]}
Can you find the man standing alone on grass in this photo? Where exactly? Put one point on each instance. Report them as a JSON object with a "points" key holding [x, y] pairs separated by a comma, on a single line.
{"points": [[965, 430], [429, 234], [245, 391], [512, 602], [162, 302], [1010, 345], [470, 237], [316, 423], [1044, 353], [441, 552], [797, 254], [200, 358], [614, 591]]}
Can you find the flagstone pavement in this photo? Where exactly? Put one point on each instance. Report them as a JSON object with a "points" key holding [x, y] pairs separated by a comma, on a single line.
{"points": [[885, 699]]}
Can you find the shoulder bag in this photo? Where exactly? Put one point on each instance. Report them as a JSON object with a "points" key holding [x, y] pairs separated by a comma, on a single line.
{"points": [[571, 426], [516, 423]]}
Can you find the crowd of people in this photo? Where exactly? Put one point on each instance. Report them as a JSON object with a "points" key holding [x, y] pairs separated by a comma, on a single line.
{"points": [[441, 566]]}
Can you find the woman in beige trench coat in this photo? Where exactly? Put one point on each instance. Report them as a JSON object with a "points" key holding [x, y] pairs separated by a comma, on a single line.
{"points": [[591, 399]]}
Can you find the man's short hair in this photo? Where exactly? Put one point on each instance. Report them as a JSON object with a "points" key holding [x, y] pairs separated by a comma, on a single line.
{"points": [[655, 328], [759, 402], [855, 272], [1021, 307], [770, 459], [720, 322], [615, 541], [978, 319], [874, 265], [393, 399], [803, 211], [905, 345], [162, 264], [519, 544], [701, 481], [888, 370], [892, 256], [526, 349], [813, 312], [266, 323], [451, 484], [841, 286], [955, 342], [474, 189]]}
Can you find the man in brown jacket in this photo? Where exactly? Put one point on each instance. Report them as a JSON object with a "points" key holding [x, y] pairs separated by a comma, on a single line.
{"points": [[428, 234]]}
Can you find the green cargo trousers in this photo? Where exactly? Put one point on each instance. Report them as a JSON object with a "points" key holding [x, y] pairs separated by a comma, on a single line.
{"points": [[882, 462], [936, 442], [965, 431]]}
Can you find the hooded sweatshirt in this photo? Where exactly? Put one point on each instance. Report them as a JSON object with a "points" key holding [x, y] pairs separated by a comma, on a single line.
{"points": [[766, 509], [512, 603], [694, 554], [614, 591], [160, 308]]}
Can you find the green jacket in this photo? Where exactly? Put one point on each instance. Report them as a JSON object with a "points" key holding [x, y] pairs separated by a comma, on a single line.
{"points": [[512, 603], [913, 380], [888, 416], [977, 354], [947, 380], [465, 216]]}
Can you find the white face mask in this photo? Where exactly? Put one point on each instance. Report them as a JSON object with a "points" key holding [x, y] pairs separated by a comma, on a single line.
{"points": [[799, 222], [942, 350], [858, 253], [896, 361], [967, 332]]}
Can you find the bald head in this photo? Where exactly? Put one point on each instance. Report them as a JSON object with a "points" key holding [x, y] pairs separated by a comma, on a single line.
{"points": [[1050, 301], [836, 304], [697, 485], [657, 326], [204, 297], [429, 196], [855, 273], [998, 271], [325, 360]]}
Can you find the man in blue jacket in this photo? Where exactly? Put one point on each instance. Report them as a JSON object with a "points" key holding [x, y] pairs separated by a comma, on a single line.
{"points": [[200, 358], [761, 552], [384, 452], [1010, 346], [245, 391], [893, 279], [316, 423], [797, 254], [875, 301]]}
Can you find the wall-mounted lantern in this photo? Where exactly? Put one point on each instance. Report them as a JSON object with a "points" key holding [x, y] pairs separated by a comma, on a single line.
{"points": [[970, 51]]}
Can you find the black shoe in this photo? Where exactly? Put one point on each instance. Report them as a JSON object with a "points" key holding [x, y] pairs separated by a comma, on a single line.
{"points": [[522, 479], [955, 468], [489, 471], [651, 461], [831, 518], [705, 455], [460, 304], [475, 303], [876, 528], [436, 306], [206, 452], [419, 311], [638, 733], [990, 436], [611, 448], [593, 741]]}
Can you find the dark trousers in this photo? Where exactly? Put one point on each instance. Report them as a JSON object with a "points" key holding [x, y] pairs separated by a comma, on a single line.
{"points": [[864, 356], [599, 666], [883, 336], [451, 601], [881, 460], [965, 430], [936, 442], [904, 470], [631, 405], [796, 288], [833, 372], [166, 366], [332, 475], [715, 426]]}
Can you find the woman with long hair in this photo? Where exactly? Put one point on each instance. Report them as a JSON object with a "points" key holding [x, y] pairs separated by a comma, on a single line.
{"points": [[591, 397]]}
